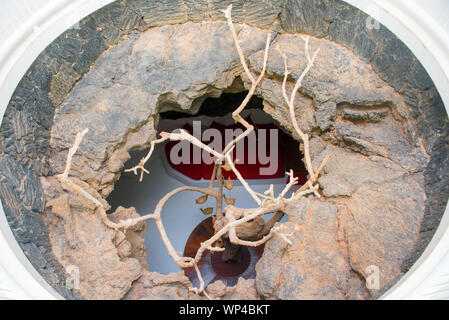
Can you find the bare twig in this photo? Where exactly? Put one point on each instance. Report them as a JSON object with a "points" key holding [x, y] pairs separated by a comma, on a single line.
{"points": [[146, 158], [244, 183], [181, 136], [313, 176]]}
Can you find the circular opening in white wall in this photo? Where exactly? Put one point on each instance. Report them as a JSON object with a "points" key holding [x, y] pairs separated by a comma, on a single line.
{"points": [[247, 160]]}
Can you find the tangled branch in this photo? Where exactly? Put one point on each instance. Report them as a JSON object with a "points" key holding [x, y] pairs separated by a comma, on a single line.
{"points": [[240, 226]]}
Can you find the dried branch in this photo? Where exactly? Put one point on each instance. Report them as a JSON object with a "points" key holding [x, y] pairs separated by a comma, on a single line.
{"points": [[243, 181], [270, 223], [201, 289], [291, 106], [72, 151], [228, 17]]}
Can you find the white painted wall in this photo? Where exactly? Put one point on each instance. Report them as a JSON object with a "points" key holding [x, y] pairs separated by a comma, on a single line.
{"points": [[28, 26]]}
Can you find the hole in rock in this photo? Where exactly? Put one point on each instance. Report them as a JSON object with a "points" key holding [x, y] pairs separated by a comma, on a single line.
{"points": [[263, 159]]}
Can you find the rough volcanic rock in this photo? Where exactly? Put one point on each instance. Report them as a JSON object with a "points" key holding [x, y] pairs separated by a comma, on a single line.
{"points": [[81, 241], [377, 159], [315, 265], [111, 264], [162, 69], [155, 286], [341, 176], [382, 227], [245, 289], [23, 201], [381, 207], [130, 243], [312, 17], [384, 139]]}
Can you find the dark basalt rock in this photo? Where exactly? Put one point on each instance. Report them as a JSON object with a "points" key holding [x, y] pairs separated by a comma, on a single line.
{"points": [[393, 63], [312, 17]]}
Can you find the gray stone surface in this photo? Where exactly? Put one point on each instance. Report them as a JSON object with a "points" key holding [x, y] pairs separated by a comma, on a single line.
{"points": [[342, 83], [316, 265], [66, 59], [268, 273], [394, 63], [378, 217], [383, 139], [342, 79]]}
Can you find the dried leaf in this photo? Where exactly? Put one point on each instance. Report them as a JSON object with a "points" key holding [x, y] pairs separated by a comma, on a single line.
{"points": [[207, 210], [229, 201], [201, 199], [229, 184], [226, 167], [219, 243]]}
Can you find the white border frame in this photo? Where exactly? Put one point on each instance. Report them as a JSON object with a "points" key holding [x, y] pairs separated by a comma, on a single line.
{"points": [[429, 276]]}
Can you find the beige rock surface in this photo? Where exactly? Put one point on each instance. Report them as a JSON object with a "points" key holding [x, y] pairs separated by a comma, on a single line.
{"points": [[243, 290], [80, 240], [155, 286], [316, 265]]}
